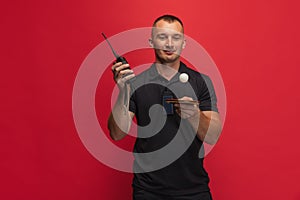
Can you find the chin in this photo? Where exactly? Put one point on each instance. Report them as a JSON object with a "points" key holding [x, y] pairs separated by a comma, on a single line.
{"points": [[162, 58], [171, 59]]}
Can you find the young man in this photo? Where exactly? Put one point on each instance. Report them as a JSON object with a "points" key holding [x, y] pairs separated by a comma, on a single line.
{"points": [[167, 164]]}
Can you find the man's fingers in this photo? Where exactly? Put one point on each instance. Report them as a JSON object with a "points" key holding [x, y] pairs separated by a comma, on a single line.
{"points": [[186, 98], [128, 77], [125, 72], [120, 70], [186, 106], [183, 114], [122, 73], [122, 80], [186, 111], [118, 64], [121, 67]]}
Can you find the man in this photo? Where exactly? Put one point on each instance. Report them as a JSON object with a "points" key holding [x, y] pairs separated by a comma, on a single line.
{"points": [[162, 172]]}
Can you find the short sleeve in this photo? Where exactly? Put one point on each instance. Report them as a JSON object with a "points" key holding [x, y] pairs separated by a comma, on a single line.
{"points": [[207, 95]]}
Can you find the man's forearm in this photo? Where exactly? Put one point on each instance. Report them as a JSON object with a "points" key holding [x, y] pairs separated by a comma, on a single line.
{"points": [[208, 127], [119, 121]]}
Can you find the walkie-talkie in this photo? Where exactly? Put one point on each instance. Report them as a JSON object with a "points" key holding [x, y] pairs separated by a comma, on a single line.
{"points": [[118, 57], [124, 61]]}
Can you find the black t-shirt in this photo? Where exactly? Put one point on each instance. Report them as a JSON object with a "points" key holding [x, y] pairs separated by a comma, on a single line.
{"points": [[167, 158]]}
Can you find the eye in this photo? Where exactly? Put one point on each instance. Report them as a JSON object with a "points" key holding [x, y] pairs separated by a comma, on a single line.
{"points": [[162, 36], [177, 37]]}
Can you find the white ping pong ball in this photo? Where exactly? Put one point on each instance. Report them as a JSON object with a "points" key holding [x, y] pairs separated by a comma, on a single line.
{"points": [[183, 78]]}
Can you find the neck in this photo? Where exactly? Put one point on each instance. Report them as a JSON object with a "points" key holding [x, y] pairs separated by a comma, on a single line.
{"points": [[167, 70]]}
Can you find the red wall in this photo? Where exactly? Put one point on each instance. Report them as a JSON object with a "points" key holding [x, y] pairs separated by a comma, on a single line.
{"points": [[255, 45]]}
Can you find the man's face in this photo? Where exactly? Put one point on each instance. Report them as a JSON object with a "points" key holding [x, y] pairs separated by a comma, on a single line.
{"points": [[168, 41]]}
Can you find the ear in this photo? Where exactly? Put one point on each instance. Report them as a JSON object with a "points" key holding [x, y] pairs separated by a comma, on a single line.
{"points": [[150, 42], [184, 43]]}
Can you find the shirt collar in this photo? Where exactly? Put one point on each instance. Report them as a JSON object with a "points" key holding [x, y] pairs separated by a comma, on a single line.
{"points": [[153, 73]]}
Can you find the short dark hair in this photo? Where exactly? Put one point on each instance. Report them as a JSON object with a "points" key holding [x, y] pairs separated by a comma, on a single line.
{"points": [[168, 18]]}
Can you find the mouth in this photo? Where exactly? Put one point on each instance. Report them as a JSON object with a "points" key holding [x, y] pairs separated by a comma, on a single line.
{"points": [[169, 52]]}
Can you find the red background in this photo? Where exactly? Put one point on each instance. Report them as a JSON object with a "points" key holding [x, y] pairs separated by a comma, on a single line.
{"points": [[255, 45]]}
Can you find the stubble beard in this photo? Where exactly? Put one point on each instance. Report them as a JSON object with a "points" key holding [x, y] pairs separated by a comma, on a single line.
{"points": [[166, 60]]}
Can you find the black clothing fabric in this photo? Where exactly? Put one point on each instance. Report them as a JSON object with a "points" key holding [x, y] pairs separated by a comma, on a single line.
{"points": [[139, 194], [185, 175]]}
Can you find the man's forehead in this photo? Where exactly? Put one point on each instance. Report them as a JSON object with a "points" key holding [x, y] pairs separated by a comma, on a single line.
{"points": [[168, 31], [165, 26]]}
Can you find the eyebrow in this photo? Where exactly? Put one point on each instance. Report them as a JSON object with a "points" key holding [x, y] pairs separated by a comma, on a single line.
{"points": [[175, 34]]}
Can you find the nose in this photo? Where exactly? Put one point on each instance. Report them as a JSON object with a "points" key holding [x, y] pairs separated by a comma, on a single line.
{"points": [[169, 42]]}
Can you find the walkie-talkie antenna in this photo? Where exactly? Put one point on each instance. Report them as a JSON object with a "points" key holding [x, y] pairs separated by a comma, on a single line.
{"points": [[118, 58], [112, 49], [123, 61]]}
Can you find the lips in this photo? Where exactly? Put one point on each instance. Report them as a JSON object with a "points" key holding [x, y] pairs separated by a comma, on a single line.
{"points": [[168, 52]]}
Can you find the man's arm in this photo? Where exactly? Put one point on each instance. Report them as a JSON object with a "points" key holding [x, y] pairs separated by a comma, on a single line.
{"points": [[207, 124], [119, 121]]}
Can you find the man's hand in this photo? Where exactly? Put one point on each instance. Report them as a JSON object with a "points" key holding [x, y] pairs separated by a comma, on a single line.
{"points": [[122, 73], [187, 110], [207, 124]]}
